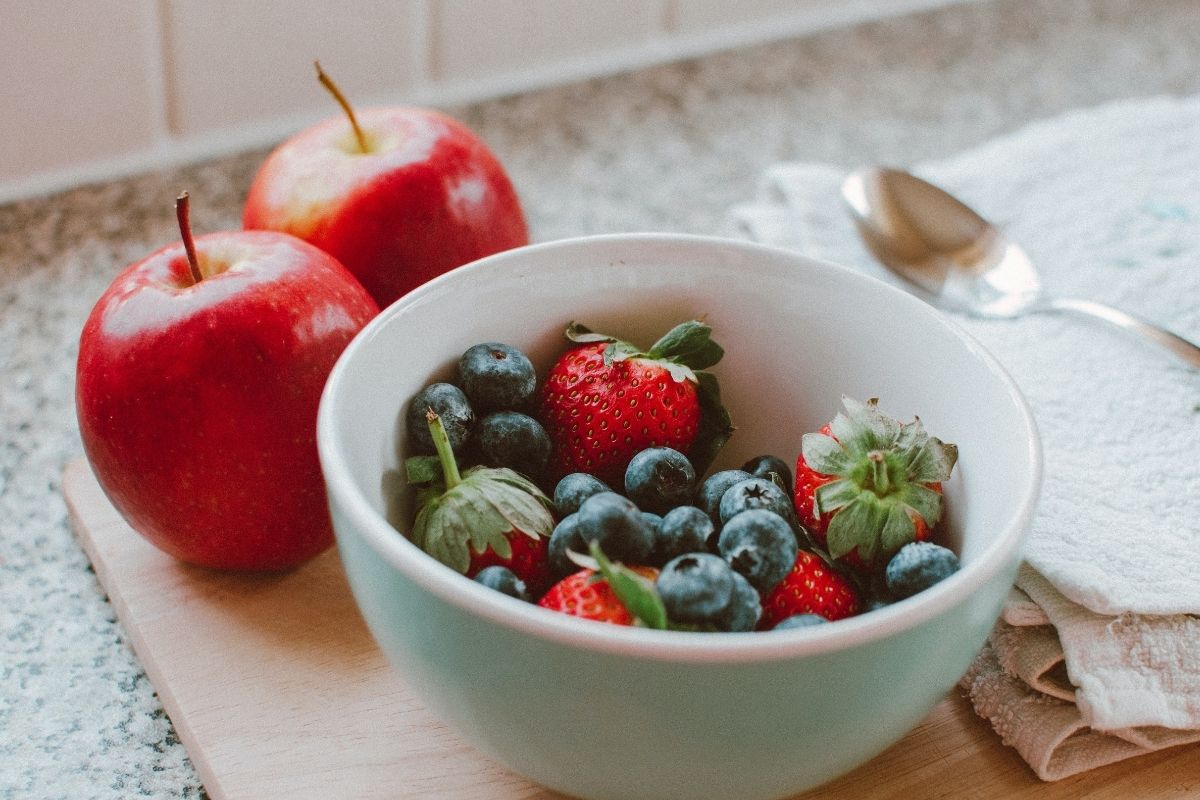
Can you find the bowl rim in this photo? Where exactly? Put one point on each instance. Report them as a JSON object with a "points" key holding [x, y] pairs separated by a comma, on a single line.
{"points": [[657, 645]]}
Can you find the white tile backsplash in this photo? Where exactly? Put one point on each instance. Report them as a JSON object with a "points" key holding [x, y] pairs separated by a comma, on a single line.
{"points": [[703, 15], [233, 63], [76, 83], [92, 89], [474, 40]]}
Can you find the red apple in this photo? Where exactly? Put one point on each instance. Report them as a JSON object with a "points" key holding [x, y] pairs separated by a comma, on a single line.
{"points": [[199, 374], [398, 195]]}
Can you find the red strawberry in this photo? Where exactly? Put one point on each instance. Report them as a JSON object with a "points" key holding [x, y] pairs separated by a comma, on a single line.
{"points": [[866, 485], [604, 401], [812, 587], [529, 560], [589, 595], [484, 516]]}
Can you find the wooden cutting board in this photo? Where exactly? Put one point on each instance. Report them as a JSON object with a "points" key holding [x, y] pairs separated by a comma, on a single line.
{"points": [[277, 690]]}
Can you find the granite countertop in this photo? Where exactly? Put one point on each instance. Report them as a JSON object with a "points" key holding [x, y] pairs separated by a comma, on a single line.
{"points": [[668, 148]]}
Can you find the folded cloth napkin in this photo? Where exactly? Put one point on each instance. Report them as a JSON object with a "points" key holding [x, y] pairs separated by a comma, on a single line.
{"points": [[1098, 658], [1049, 732], [1072, 690]]}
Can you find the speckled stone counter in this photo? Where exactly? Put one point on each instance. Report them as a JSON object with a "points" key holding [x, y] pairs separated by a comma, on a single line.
{"points": [[669, 148]]}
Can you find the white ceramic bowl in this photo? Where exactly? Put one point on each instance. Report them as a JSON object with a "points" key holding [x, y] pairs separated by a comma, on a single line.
{"points": [[611, 712]]}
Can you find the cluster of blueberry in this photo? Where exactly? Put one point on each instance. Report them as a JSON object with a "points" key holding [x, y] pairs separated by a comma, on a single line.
{"points": [[719, 547], [484, 411]]}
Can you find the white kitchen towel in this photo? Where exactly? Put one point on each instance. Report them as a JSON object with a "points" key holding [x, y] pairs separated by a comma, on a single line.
{"points": [[1107, 203]]}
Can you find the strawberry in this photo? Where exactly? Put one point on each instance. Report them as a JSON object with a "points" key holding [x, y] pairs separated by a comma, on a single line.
{"points": [[606, 592], [605, 400], [481, 517], [586, 594], [529, 560], [866, 485], [812, 587]]}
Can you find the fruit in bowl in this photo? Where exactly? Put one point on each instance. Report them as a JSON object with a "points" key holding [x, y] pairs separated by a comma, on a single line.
{"points": [[765, 714], [880, 490]]}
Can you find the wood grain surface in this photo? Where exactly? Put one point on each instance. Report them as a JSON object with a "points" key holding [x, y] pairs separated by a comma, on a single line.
{"points": [[277, 690]]}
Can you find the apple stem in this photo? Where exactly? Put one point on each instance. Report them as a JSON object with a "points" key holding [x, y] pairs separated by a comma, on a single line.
{"points": [[328, 83], [185, 229]]}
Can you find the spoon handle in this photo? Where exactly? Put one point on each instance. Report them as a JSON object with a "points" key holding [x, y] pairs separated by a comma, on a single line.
{"points": [[1184, 349]]}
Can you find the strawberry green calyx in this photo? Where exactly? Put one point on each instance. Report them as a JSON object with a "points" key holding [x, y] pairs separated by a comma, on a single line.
{"points": [[885, 473], [682, 351], [685, 352], [473, 510]]}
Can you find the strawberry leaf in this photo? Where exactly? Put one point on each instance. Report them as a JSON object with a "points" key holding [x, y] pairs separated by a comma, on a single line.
{"points": [[854, 438], [690, 344], [635, 592], [934, 461], [923, 500], [824, 454], [715, 426], [678, 372], [898, 530], [858, 428], [883, 428], [581, 334], [422, 469], [856, 525], [482, 521], [436, 531], [834, 495], [911, 439]]}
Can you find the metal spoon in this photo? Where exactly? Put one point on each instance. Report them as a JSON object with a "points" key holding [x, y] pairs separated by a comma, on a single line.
{"points": [[960, 261]]}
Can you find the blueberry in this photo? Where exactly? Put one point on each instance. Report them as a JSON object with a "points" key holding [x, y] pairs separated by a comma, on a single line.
{"points": [[497, 377], [799, 621], [917, 566], [745, 608], [760, 545], [654, 521], [659, 478], [514, 440], [566, 536], [708, 498], [755, 493], [449, 402], [573, 489], [772, 468], [503, 579], [684, 529], [696, 588], [617, 525]]}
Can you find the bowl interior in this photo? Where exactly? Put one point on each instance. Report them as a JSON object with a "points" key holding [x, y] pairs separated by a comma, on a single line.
{"points": [[798, 334]]}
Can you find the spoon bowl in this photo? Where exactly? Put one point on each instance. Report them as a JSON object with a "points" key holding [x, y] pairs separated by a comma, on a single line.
{"points": [[959, 261]]}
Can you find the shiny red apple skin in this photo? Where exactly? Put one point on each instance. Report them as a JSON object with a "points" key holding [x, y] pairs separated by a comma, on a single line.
{"points": [[427, 197], [197, 403]]}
